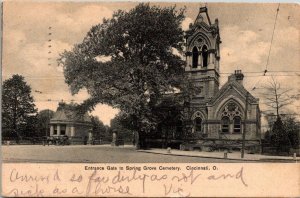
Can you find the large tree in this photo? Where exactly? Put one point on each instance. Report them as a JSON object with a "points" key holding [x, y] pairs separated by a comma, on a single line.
{"points": [[280, 137], [18, 108], [285, 131], [139, 48]]}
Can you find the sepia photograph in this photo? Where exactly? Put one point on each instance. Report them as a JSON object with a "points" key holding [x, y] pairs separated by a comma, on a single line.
{"points": [[150, 99], [150, 82]]}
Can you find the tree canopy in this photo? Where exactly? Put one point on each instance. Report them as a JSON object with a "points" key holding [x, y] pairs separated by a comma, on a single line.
{"points": [[18, 108], [100, 131], [122, 125], [129, 61], [280, 138], [292, 127], [43, 121]]}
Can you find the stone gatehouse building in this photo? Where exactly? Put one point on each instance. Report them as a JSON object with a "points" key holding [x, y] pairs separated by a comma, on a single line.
{"points": [[66, 122], [216, 115]]}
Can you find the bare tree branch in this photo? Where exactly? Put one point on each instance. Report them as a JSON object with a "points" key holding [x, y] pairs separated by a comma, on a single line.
{"points": [[275, 96]]}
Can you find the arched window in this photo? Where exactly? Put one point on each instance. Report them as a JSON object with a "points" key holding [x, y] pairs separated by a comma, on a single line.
{"points": [[198, 124], [204, 56], [195, 57], [225, 124], [236, 124]]}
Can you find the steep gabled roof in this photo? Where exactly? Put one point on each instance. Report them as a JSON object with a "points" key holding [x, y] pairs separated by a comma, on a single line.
{"points": [[235, 86]]}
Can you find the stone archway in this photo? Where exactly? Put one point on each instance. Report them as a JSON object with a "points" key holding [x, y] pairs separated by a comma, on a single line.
{"points": [[231, 118], [198, 128]]}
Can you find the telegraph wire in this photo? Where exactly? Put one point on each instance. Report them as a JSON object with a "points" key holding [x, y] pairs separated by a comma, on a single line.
{"points": [[263, 73], [221, 73], [268, 59]]}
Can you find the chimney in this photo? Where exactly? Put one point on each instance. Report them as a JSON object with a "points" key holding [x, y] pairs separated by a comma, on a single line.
{"points": [[238, 76]]}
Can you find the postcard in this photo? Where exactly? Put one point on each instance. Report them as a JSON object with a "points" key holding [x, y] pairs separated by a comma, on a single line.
{"points": [[150, 99]]}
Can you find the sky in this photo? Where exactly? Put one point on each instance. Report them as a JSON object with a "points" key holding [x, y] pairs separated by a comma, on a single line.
{"points": [[35, 33]]}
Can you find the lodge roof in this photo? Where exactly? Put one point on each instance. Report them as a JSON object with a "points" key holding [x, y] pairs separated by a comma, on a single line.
{"points": [[67, 113]]}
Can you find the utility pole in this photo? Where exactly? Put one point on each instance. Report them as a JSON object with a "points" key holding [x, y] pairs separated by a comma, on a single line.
{"points": [[48, 122], [244, 126]]}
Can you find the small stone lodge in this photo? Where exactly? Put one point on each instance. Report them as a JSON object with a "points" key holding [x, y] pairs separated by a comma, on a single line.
{"points": [[66, 122], [215, 117]]}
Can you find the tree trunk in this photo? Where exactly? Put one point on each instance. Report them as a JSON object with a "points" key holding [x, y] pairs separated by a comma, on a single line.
{"points": [[137, 140], [142, 140]]}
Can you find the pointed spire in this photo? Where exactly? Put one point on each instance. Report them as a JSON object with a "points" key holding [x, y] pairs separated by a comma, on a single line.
{"points": [[200, 18]]}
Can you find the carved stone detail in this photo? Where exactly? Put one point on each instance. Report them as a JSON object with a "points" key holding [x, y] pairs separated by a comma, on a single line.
{"points": [[231, 110]]}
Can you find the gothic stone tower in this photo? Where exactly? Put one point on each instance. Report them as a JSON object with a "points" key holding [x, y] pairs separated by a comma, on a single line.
{"points": [[214, 115], [203, 56]]}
